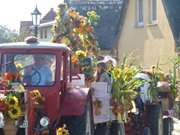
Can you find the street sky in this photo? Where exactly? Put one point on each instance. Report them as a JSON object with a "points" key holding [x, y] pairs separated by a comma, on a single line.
{"points": [[14, 11]]}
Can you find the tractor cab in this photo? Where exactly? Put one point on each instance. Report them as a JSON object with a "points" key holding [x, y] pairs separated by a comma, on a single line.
{"points": [[49, 100]]}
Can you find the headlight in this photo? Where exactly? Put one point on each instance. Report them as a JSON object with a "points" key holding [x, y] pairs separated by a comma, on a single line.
{"points": [[44, 121]]}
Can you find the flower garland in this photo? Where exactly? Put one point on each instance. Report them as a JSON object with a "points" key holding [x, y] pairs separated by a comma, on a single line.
{"points": [[77, 32], [10, 96], [3, 103], [10, 104]]}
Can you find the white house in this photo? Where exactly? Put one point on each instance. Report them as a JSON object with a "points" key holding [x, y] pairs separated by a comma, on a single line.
{"points": [[46, 24]]}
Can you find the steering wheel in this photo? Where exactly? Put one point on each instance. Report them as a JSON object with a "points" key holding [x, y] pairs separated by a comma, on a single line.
{"points": [[32, 73]]}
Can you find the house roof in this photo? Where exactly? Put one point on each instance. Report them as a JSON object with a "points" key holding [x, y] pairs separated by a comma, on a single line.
{"points": [[50, 16], [110, 12], [172, 8], [46, 24]]}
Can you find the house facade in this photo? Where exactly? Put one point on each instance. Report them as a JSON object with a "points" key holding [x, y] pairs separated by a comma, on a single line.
{"points": [[139, 28], [25, 29], [44, 29], [147, 35], [45, 33]]}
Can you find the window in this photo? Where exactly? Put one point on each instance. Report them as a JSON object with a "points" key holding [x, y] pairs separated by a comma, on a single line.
{"points": [[32, 69], [45, 33], [66, 67], [41, 33], [153, 12], [139, 13]]}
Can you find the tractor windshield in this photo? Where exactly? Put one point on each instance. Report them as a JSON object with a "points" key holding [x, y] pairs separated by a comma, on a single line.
{"points": [[30, 69]]}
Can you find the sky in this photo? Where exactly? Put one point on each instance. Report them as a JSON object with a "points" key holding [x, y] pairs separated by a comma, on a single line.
{"points": [[14, 11]]}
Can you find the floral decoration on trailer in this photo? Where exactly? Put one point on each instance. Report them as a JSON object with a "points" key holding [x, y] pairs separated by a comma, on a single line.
{"points": [[11, 93]]}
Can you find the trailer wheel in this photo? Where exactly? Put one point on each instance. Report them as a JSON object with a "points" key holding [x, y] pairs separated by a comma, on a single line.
{"points": [[81, 125]]}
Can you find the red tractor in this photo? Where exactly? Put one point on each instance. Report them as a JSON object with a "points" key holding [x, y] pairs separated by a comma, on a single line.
{"points": [[62, 103]]}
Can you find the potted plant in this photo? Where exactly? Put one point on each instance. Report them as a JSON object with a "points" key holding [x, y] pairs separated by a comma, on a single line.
{"points": [[124, 89]]}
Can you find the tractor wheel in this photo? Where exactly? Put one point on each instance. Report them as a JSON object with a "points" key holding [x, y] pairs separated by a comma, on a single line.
{"points": [[81, 125]]}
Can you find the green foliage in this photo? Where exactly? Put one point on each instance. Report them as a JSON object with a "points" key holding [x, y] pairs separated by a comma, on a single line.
{"points": [[156, 76], [93, 18], [125, 85], [124, 88], [173, 76]]}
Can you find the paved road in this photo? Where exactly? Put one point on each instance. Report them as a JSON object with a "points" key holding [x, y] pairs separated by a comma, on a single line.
{"points": [[176, 127]]}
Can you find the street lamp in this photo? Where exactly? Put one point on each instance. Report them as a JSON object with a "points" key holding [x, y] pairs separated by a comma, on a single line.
{"points": [[36, 17]]}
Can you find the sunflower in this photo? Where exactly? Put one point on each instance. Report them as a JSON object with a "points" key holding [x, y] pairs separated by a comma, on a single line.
{"points": [[80, 54], [62, 131], [13, 101], [36, 97], [72, 13], [14, 112], [35, 93], [74, 59], [65, 40]]}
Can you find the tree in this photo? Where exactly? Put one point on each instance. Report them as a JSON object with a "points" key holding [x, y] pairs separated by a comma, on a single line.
{"points": [[7, 35]]}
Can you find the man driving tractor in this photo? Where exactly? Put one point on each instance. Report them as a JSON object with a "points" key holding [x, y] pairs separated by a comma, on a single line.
{"points": [[39, 73]]}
